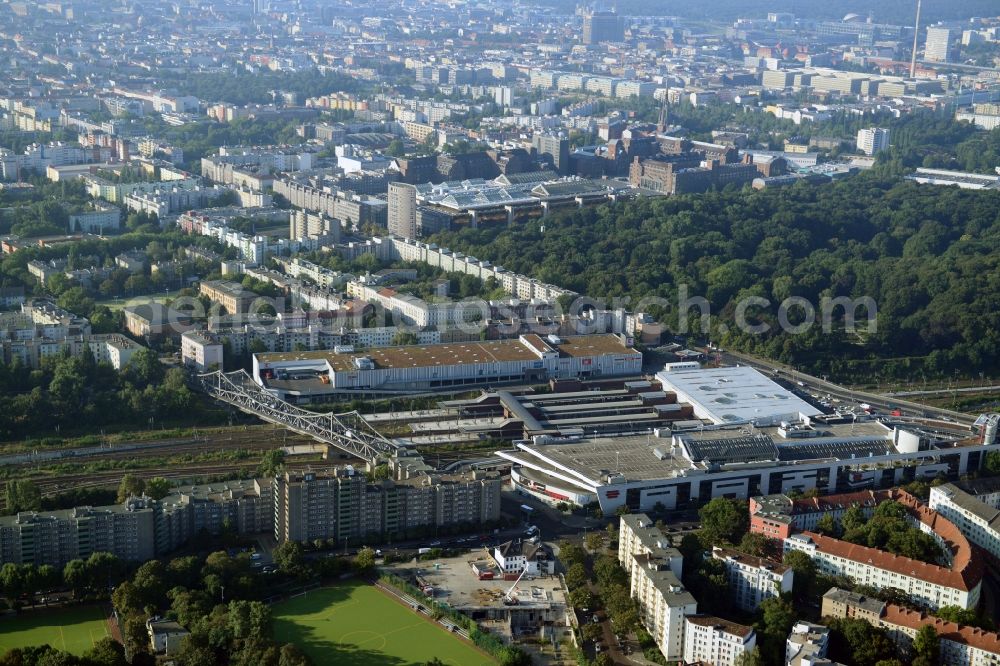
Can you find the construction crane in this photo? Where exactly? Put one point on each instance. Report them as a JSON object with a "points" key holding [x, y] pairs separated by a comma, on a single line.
{"points": [[509, 599]]}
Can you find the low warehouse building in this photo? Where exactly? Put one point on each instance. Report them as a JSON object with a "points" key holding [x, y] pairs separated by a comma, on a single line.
{"points": [[302, 376]]}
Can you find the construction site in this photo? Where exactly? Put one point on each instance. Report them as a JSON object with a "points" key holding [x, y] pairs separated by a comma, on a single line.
{"points": [[529, 605]]}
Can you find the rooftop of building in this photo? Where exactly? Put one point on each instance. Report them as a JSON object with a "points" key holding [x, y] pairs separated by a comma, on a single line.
{"points": [[431, 478], [868, 604], [970, 503], [980, 486], [216, 491], [783, 504], [160, 627], [663, 579], [155, 312], [750, 560], [527, 549], [720, 624], [649, 534], [733, 394], [987, 641], [225, 286], [646, 456], [458, 353], [132, 505]]}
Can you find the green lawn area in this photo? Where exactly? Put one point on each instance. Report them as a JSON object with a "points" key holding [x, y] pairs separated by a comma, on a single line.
{"points": [[355, 624], [115, 304], [74, 630]]}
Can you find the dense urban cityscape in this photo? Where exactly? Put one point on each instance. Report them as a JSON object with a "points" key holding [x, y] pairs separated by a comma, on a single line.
{"points": [[494, 332]]}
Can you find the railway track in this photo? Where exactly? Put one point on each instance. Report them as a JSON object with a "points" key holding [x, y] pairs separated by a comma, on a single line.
{"points": [[49, 486], [256, 440]]}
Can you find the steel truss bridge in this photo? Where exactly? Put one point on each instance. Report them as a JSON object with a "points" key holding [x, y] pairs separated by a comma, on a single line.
{"points": [[348, 432]]}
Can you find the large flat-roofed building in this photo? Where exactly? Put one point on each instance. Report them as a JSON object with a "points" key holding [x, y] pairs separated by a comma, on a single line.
{"points": [[530, 358], [155, 319], [963, 179], [738, 394], [938, 45], [692, 462], [332, 503], [602, 26]]}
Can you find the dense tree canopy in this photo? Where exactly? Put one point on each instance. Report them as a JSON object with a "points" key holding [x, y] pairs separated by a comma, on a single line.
{"points": [[854, 641], [890, 530], [925, 255], [723, 520], [72, 393]]}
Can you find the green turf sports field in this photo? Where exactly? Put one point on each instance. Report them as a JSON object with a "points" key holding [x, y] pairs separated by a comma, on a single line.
{"points": [[355, 624], [74, 630]]}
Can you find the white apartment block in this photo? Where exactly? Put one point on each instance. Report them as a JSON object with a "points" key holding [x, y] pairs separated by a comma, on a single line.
{"points": [[303, 224], [960, 645], [753, 579], [321, 276], [655, 583], [937, 46], [201, 352], [443, 258], [712, 640], [115, 350], [99, 219], [872, 140], [975, 513], [637, 535], [807, 644], [415, 311]]}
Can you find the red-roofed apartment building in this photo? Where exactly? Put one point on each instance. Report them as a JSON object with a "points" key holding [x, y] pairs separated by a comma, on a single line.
{"points": [[780, 516], [932, 585], [960, 645]]}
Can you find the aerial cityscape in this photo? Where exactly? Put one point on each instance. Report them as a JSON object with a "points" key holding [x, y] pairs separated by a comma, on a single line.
{"points": [[495, 332]]}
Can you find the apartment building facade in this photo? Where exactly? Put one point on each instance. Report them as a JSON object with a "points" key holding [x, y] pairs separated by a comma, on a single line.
{"points": [[341, 504], [654, 582], [974, 507], [752, 579], [928, 584], [960, 645], [230, 295], [338, 503], [713, 640], [56, 537]]}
